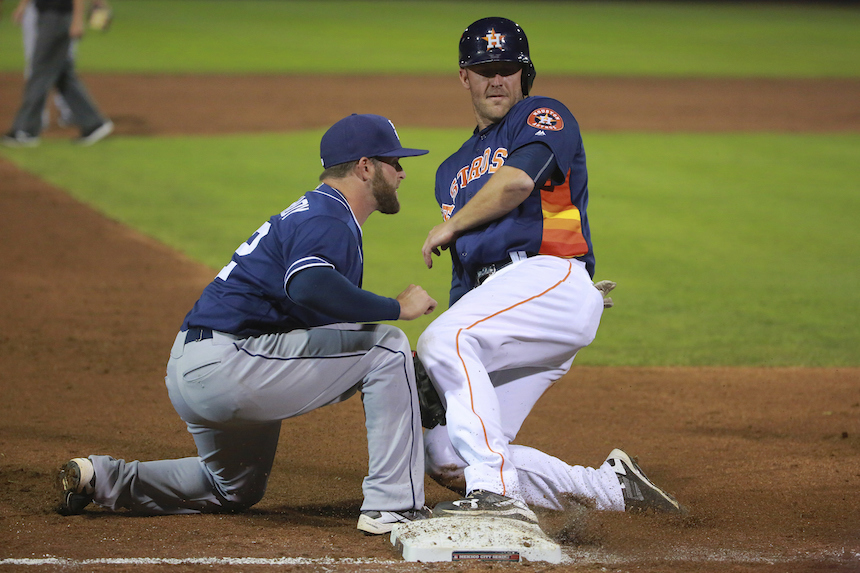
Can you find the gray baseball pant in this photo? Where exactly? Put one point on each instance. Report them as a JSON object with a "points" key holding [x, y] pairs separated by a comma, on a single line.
{"points": [[53, 66], [29, 33], [233, 393]]}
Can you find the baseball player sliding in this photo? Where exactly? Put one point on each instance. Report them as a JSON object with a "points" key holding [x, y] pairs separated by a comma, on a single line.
{"points": [[522, 301], [279, 333]]}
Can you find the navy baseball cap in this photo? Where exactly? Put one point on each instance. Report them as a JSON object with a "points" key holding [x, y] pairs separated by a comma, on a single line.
{"points": [[362, 135]]}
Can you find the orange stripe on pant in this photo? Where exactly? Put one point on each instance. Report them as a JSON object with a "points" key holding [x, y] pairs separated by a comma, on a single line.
{"points": [[469, 380]]}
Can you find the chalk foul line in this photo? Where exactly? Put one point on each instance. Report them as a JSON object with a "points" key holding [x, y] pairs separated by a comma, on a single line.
{"points": [[63, 561]]}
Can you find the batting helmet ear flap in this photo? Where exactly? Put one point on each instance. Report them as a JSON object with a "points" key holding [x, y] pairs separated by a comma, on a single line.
{"points": [[529, 74], [497, 39]]}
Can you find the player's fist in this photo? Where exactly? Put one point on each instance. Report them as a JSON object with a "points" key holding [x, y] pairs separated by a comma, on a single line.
{"points": [[414, 302]]}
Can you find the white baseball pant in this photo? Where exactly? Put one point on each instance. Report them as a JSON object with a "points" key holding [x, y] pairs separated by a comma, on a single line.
{"points": [[491, 356]]}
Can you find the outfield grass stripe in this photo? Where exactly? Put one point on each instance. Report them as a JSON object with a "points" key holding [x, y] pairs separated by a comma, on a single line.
{"points": [[728, 249], [583, 38]]}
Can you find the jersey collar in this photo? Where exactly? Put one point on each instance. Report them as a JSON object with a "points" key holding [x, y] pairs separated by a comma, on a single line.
{"points": [[332, 193]]}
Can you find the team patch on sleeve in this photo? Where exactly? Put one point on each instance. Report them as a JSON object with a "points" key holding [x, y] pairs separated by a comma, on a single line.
{"points": [[546, 119]]}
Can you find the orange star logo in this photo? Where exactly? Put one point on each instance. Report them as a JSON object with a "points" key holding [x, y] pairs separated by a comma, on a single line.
{"points": [[494, 40], [546, 119]]}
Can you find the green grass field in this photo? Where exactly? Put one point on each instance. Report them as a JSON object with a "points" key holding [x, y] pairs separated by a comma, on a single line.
{"points": [[729, 249], [322, 36]]}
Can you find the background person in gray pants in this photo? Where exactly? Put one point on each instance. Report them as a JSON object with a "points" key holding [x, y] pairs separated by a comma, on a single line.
{"points": [[59, 22], [28, 17]]}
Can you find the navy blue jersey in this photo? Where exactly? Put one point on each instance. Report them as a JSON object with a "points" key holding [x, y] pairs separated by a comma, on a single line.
{"points": [[249, 295], [551, 221]]}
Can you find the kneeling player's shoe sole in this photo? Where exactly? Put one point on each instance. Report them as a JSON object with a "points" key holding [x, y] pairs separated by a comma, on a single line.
{"points": [[76, 481]]}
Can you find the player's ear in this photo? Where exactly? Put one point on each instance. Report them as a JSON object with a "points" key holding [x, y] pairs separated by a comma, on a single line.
{"points": [[362, 169], [464, 78]]}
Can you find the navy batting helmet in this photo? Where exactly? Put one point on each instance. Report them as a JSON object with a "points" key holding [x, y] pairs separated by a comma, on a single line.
{"points": [[497, 40]]}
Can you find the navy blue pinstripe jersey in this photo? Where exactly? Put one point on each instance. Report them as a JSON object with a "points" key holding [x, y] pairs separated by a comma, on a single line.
{"points": [[249, 295]]}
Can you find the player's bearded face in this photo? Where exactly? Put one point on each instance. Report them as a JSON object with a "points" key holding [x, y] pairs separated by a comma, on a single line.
{"points": [[495, 88], [384, 192]]}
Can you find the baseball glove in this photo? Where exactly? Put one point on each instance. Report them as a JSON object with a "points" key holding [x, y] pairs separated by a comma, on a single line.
{"points": [[100, 16], [432, 410]]}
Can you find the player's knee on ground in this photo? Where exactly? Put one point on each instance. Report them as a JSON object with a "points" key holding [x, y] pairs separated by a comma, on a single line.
{"points": [[244, 493], [242, 499]]}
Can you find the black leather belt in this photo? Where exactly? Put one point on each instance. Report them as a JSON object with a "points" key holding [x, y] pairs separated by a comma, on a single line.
{"points": [[487, 271], [196, 334]]}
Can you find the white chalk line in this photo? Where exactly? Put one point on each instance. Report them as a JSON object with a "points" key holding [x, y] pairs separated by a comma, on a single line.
{"points": [[580, 557], [63, 561], [586, 556]]}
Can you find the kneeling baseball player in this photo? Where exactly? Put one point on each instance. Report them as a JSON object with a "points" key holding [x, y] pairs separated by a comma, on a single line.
{"points": [[281, 331]]}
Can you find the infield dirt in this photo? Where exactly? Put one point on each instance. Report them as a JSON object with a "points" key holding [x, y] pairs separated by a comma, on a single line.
{"points": [[766, 459]]}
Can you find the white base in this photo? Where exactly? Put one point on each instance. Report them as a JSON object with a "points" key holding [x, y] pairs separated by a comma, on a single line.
{"points": [[473, 539]]}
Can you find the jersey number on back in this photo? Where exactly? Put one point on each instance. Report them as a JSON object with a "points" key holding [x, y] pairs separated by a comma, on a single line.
{"points": [[246, 248]]}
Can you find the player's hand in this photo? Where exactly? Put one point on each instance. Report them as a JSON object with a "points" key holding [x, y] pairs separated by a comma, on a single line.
{"points": [[605, 287], [438, 239], [415, 302], [18, 13], [76, 29]]}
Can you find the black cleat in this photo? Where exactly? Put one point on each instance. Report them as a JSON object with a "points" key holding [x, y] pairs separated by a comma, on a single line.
{"points": [[640, 494], [487, 504]]}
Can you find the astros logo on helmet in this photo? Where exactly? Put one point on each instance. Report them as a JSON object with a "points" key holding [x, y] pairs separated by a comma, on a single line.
{"points": [[497, 40]]}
